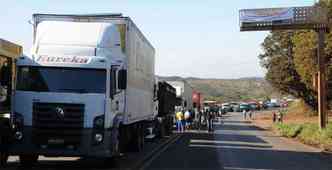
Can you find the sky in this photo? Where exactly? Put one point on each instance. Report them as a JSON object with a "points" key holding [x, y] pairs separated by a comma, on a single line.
{"points": [[192, 38]]}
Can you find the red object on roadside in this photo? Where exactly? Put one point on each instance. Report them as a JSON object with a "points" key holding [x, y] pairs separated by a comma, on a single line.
{"points": [[197, 99]]}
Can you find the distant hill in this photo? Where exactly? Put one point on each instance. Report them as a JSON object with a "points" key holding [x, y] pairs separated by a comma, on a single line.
{"points": [[227, 90]]}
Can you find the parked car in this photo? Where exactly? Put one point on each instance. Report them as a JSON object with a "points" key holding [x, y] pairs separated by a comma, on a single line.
{"points": [[244, 106], [221, 111], [234, 106], [271, 105], [226, 107], [265, 105], [284, 104], [253, 106]]}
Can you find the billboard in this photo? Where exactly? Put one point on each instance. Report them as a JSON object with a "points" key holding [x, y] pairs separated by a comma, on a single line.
{"points": [[266, 15], [310, 17]]}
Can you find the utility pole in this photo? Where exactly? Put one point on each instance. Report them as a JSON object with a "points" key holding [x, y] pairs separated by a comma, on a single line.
{"points": [[321, 88]]}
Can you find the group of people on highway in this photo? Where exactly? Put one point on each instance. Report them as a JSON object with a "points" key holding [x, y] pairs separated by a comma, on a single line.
{"points": [[183, 120], [248, 114], [187, 120]]}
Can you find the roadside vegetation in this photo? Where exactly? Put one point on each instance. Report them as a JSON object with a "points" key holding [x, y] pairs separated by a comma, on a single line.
{"points": [[307, 133], [301, 123]]}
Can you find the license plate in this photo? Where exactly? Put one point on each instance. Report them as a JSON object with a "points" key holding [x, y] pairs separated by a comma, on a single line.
{"points": [[56, 141]]}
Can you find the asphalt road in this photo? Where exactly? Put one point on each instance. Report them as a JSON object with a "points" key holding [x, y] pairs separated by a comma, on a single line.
{"points": [[130, 161], [238, 145]]}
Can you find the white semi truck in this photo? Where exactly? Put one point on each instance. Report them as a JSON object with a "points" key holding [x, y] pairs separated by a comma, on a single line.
{"points": [[86, 90]]}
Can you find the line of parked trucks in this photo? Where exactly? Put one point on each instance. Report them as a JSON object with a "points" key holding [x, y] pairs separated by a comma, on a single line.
{"points": [[88, 89]]}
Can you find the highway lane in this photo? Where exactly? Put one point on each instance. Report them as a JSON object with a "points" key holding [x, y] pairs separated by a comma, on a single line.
{"points": [[130, 161], [238, 145]]}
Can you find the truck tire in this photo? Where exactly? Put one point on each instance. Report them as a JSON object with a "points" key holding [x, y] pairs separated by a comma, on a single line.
{"points": [[169, 127], [3, 147], [3, 159], [142, 135], [28, 160], [163, 126], [138, 138], [123, 140]]}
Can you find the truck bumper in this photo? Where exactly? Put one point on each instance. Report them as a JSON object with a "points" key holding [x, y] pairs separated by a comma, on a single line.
{"points": [[88, 147]]}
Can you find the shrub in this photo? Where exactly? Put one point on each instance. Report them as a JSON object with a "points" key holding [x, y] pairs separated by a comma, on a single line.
{"points": [[289, 130], [310, 134], [327, 133]]}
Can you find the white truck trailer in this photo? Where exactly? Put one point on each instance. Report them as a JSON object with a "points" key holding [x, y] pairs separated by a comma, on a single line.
{"points": [[86, 89]]}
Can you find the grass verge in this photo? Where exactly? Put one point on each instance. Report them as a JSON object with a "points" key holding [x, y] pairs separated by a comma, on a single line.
{"points": [[307, 133]]}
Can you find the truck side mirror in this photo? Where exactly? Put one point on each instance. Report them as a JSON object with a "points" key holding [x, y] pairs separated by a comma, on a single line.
{"points": [[122, 79]]}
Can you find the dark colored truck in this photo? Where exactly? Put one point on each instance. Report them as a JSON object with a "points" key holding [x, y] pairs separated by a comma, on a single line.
{"points": [[166, 101]]}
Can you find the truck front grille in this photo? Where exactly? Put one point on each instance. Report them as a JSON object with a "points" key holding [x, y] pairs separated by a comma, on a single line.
{"points": [[57, 123]]}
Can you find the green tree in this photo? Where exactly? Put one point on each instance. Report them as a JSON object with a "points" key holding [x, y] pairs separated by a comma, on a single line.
{"points": [[277, 58]]}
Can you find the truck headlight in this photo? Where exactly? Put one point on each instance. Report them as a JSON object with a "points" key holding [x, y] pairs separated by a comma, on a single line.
{"points": [[6, 115], [99, 137], [18, 135], [98, 122]]}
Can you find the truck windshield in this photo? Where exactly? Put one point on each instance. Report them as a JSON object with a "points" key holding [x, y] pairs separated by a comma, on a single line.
{"points": [[64, 80]]}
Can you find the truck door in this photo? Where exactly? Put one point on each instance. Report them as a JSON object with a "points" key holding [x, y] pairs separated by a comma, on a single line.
{"points": [[6, 75], [6, 85], [117, 95]]}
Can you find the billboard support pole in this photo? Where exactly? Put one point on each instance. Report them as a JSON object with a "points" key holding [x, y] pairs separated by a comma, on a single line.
{"points": [[321, 88]]}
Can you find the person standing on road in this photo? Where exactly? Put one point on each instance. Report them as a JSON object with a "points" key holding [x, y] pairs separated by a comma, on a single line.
{"points": [[187, 119], [251, 114], [200, 116], [210, 117], [280, 115], [274, 117], [205, 117], [179, 119], [244, 112]]}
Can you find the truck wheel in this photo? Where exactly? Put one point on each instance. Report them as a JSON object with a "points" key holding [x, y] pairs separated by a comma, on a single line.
{"points": [[3, 159], [122, 140], [138, 140], [163, 129], [28, 160], [169, 126], [142, 136]]}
